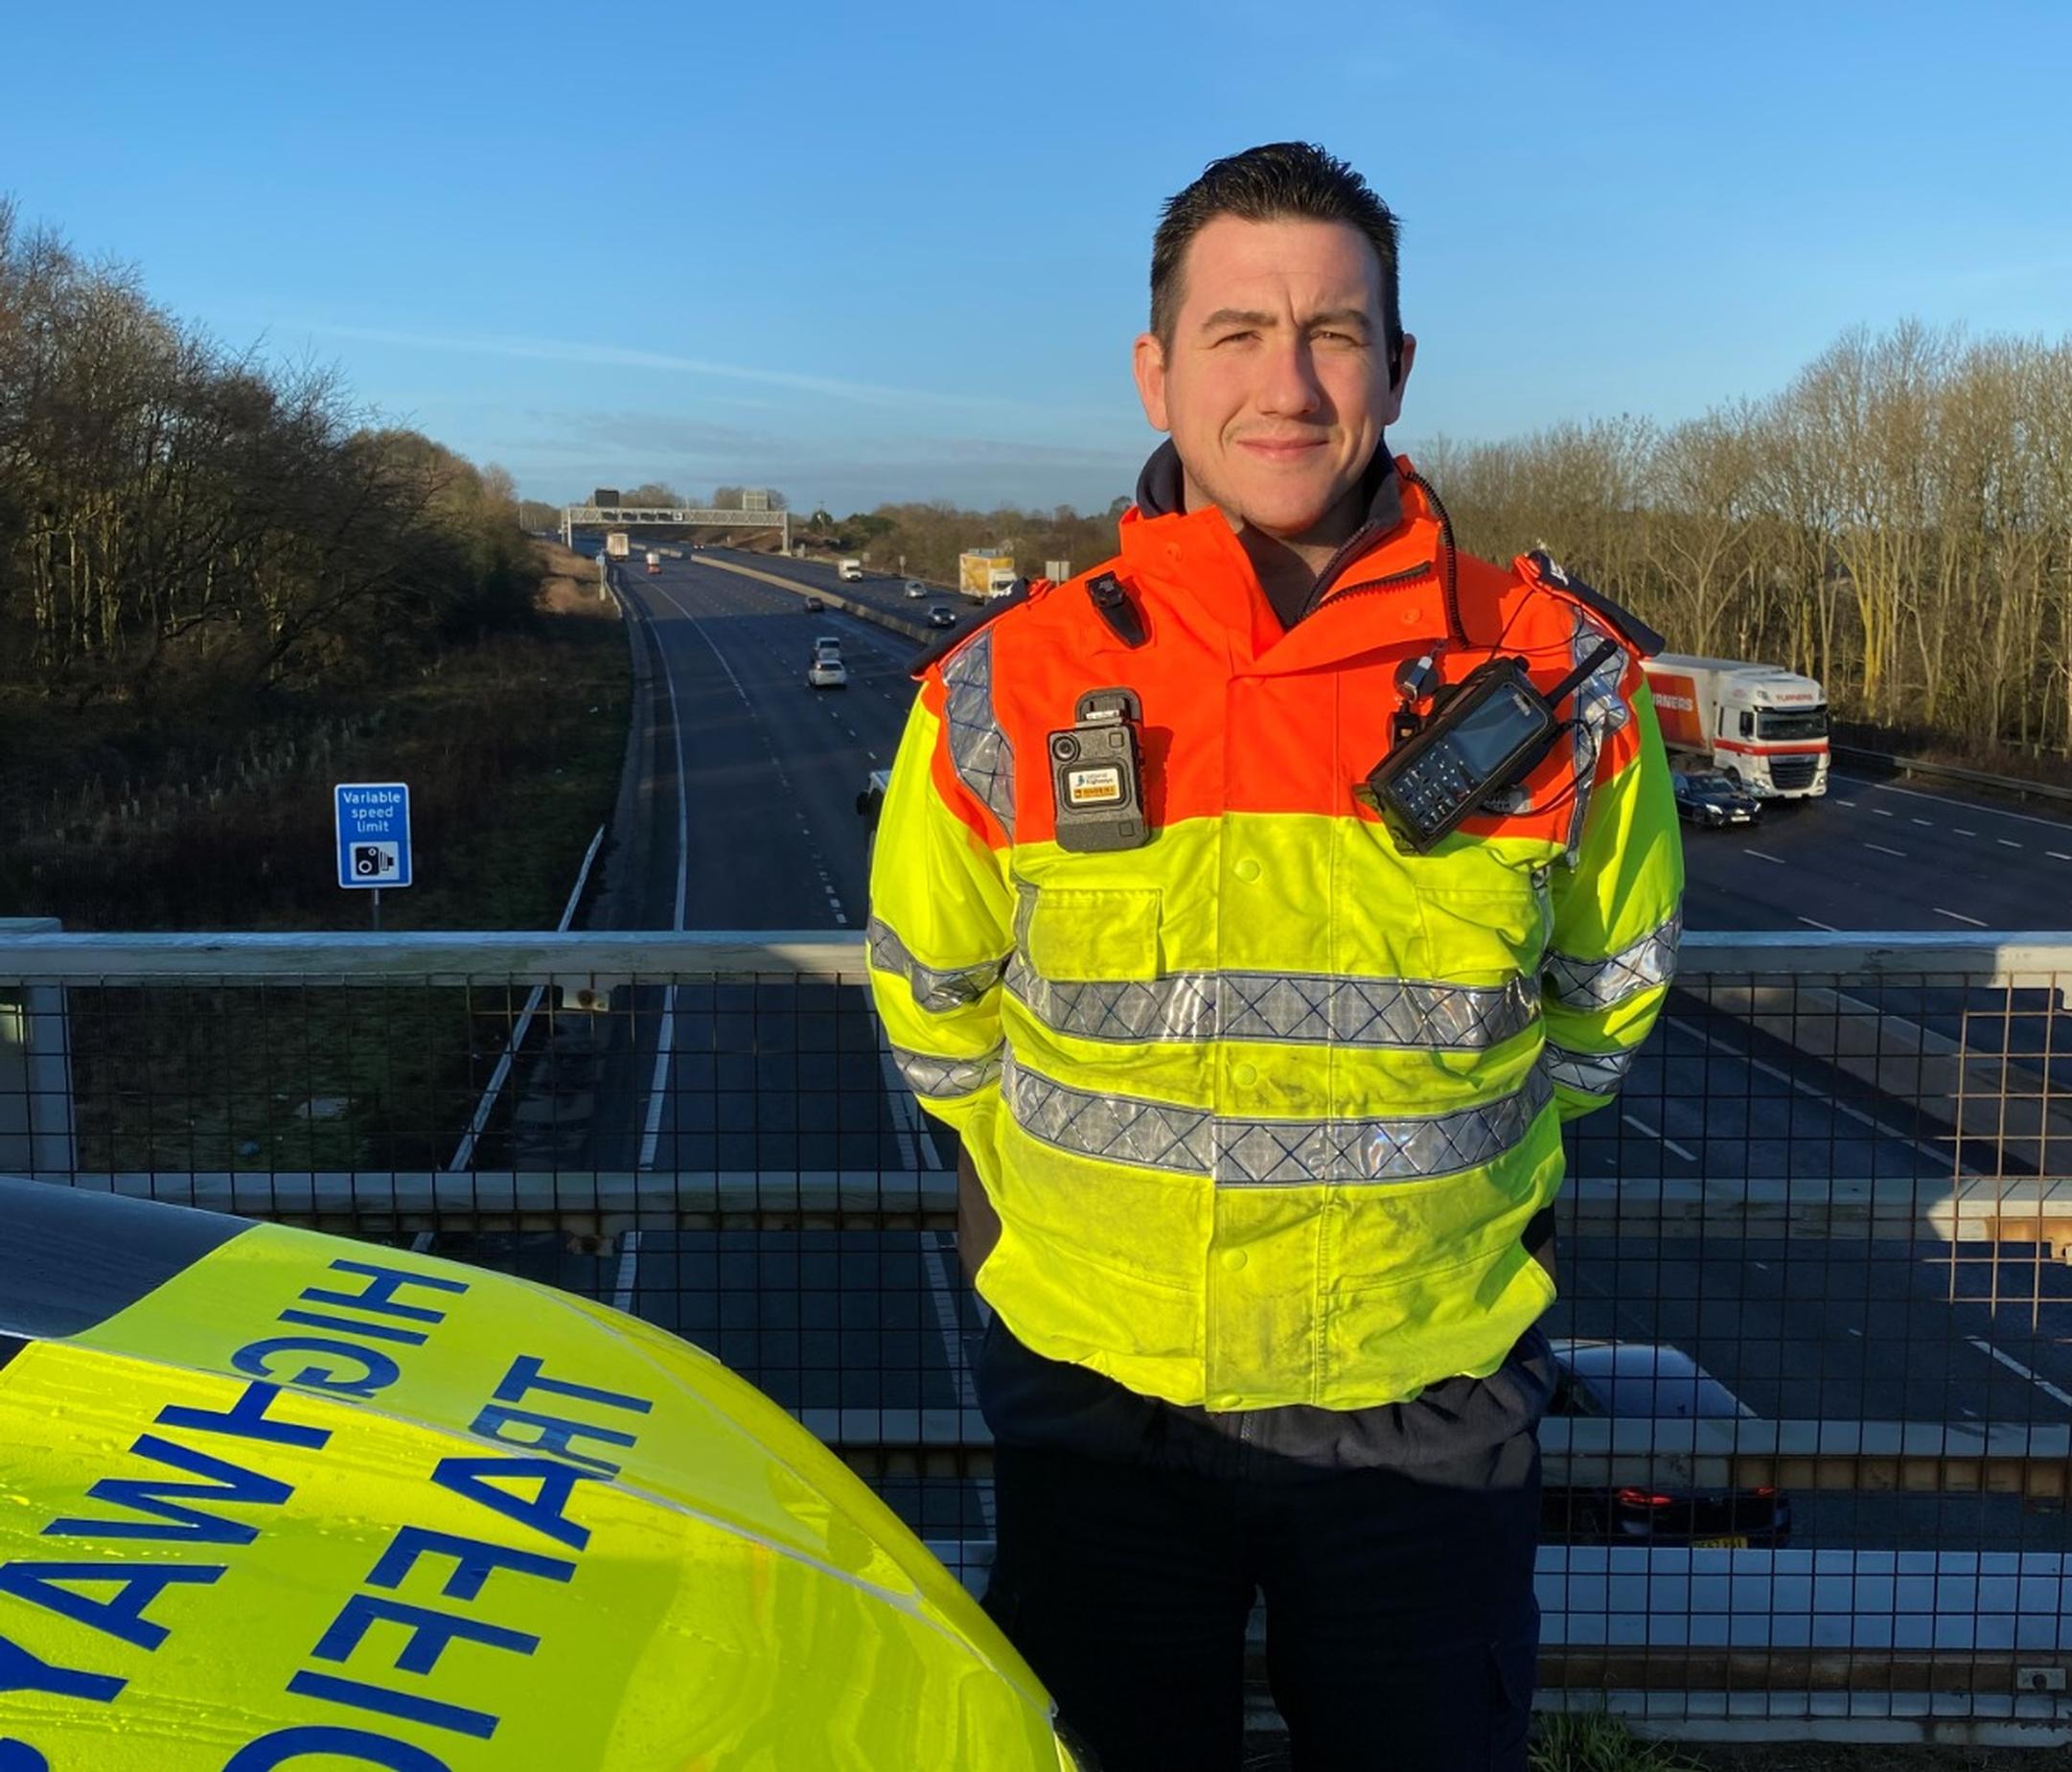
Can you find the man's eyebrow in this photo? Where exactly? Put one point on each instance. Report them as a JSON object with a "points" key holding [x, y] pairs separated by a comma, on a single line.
{"points": [[1260, 318], [1238, 316]]}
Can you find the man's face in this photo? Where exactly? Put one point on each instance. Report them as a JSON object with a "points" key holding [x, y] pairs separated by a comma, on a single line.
{"points": [[1275, 383]]}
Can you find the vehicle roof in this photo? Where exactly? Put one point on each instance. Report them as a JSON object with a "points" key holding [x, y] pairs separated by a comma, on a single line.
{"points": [[1653, 1364]]}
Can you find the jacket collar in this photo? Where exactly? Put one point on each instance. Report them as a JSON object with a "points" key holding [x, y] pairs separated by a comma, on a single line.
{"points": [[1195, 559]]}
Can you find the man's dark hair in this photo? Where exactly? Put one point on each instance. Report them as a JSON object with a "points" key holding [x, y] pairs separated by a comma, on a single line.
{"points": [[1279, 181]]}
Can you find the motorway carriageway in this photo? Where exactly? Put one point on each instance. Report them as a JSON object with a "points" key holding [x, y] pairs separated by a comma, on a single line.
{"points": [[1799, 1329]]}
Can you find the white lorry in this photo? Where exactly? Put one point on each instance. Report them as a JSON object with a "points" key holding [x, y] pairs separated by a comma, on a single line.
{"points": [[617, 545], [848, 571], [1765, 728]]}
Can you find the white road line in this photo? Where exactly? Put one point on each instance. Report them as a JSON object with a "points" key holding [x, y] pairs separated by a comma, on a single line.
{"points": [[1857, 1333], [2013, 1365], [1880, 812], [1944, 800], [2057, 855], [622, 1278], [1642, 1126], [666, 1035], [2007, 842], [1882, 850], [1958, 916], [1929, 822], [1760, 857], [1818, 924], [1961, 832], [1851, 804], [1941, 1159]]}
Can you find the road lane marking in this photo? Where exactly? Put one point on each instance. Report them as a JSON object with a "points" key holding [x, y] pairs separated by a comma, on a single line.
{"points": [[1944, 800], [1760, 857], [2007, 842], [666, 1035], [1818, 924], [2057, 855], [622, 1280], [2013, 1365], [1882, 850], [1959, 917], [1961, 832], [1851, 804], [1929, 822], [1642, 1126], [1941, 1159], [1879, 811]]}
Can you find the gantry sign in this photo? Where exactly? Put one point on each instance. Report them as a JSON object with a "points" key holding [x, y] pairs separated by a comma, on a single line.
{"points": [[577, 517]]}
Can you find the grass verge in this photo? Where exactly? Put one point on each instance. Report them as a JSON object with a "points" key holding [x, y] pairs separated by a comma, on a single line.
{"points": [[511, 750]]}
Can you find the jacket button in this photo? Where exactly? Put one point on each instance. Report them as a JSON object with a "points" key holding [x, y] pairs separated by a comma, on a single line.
{"points": [[1247, 869], [1244, 1074], [1234, 1259], [1226, 1402]]}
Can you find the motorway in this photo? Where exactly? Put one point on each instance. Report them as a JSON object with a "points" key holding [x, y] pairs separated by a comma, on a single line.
{"points": [[748, 781]]}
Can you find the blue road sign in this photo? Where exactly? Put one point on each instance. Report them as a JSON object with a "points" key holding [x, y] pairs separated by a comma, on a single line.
{"points": [[372, 821]]}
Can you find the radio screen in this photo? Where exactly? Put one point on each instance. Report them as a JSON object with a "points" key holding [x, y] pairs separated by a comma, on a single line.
{"points": [[1492, 731]]}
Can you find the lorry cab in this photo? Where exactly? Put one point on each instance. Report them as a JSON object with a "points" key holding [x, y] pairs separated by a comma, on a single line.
{"points": [[1765, 728], [849, 570]]}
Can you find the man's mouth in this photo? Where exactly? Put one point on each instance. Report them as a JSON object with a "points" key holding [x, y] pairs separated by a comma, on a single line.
{"points": [[1281, 449]]}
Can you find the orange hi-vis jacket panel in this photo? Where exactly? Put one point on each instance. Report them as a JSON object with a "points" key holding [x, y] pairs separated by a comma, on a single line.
{"points": [[1265, 1104]]}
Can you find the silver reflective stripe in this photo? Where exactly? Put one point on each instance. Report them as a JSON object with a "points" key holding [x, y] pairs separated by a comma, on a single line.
{"points": [[942, 1080], [1250, 1153], [1600, 985], [933, 988], [984, 759], [1594, 1074], [1600, 710], [1302, 1008]]}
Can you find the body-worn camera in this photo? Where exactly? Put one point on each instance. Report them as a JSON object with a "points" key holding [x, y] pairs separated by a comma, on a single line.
{"points": [[1096, 778], [1487, 735]]}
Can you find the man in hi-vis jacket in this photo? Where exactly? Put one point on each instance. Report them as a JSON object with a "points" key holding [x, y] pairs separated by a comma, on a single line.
{"points": [[1257, 907]]}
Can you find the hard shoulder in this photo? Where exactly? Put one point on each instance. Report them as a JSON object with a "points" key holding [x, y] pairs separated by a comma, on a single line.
{"points": [[1538, 573]]}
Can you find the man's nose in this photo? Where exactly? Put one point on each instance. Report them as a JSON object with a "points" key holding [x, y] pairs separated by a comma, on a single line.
{"points": [[1289, 388]]}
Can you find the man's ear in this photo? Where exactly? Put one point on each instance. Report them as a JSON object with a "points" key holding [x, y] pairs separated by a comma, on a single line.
{"points": [[1393, 405], [1147, 363]]}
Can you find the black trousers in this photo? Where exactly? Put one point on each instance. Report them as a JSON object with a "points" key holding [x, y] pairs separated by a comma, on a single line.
{"points": [[1402, 1628]]}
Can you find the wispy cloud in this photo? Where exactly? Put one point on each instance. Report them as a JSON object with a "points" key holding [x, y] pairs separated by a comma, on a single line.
{"points": [[621, 357]]}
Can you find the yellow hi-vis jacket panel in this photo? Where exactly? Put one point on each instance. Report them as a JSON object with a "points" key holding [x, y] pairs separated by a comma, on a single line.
{"points": [[1264, 1104], [314, 1504]]}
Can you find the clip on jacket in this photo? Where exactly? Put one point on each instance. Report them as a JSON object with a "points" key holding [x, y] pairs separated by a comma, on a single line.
{"points": [[1111, 603]]}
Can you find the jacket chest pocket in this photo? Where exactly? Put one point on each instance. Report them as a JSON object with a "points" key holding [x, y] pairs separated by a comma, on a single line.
{"points": [[1069, 934], [1485, 930], [1478, 914]]}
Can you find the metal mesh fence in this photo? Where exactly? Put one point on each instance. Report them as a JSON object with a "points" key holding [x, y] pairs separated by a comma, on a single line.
{"points": [[1810, 1453]]}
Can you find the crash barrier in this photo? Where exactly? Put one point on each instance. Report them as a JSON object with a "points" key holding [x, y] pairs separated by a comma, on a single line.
{"points": [[1836, 1180], [1927, 770], [834, 599]]}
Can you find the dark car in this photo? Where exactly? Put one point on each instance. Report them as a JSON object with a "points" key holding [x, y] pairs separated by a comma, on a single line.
{"points": [[1708, 797], [942, 615], [1648, 1381], [814, 607]]}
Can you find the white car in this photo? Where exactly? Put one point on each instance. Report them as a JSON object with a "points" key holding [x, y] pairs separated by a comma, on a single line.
{"points": [[915, 591], [827, 672]]}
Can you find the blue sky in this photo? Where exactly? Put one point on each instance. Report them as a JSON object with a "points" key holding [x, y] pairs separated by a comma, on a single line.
{"points": [[863, 254]]}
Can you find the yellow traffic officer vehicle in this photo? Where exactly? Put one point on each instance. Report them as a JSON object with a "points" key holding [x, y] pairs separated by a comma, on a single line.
{"points": [[269, 1498]]}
